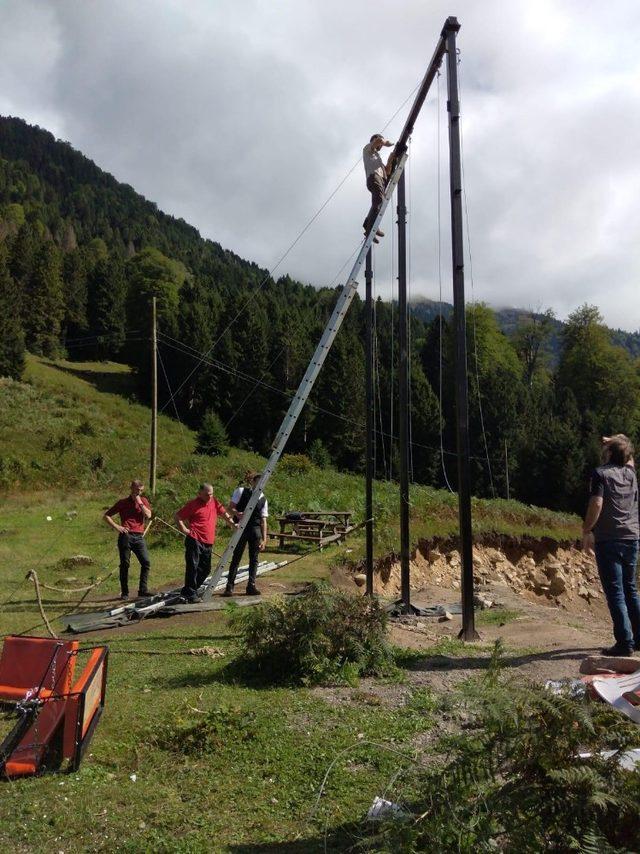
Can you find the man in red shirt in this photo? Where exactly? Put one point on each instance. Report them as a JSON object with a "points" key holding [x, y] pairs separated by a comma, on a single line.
{"points": [[134, 511], [197, 520]]}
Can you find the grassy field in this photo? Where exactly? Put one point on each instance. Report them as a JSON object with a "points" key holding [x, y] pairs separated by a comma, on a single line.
{"points": [[70, 440]]}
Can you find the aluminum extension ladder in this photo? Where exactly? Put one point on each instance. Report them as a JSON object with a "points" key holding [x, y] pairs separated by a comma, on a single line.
{"points": [[304, 389]]}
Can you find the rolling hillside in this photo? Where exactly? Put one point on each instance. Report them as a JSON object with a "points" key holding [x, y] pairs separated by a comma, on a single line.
{"points": [[75, 428]]}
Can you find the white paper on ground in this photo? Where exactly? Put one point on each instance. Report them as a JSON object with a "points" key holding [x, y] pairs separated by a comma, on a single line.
{"points": [[611, 690], [627, 760], [381, 808]]}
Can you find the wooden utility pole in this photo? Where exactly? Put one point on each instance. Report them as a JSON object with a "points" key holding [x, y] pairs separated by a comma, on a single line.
{"points": [[368, 277], [154, 399]]}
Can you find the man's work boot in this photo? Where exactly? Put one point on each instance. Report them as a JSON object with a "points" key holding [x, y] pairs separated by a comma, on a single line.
{"points": [[375, 240], [380, 233], [252, 590], [123, 597], [618, 651], [228, 591], [143, 593]]}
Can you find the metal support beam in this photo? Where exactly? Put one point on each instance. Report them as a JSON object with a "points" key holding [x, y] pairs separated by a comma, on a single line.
{"points": [[369, 445], [468, 631], [153, 460], [403, 407], [427, 80]]}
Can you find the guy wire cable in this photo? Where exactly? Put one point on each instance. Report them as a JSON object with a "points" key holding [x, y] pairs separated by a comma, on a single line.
{"points": [[409, 338], [246, 378], [439, 256], [473, 298], [270, 273]]}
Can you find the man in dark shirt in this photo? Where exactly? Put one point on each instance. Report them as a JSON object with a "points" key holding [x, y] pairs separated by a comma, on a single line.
{"points": [[134, 512], [255, 533], [611, 528], [197, 520]]}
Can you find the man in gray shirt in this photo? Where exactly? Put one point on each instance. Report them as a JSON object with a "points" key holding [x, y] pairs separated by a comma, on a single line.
{"points": [[377, 174], [611, 528]]}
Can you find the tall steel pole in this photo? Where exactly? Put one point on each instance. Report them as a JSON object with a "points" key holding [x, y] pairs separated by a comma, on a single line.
{"points": [[154, 399], [403, 379], [468, 631], [368, 277]]}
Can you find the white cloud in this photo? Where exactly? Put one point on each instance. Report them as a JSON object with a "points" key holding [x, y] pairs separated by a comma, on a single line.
{"points": [[243, 117]]}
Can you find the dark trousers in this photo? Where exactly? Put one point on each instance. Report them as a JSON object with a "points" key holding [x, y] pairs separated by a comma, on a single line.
{"points": [[616, 561], [252, 535], [135, 543], [376, 186], [197, 559]]}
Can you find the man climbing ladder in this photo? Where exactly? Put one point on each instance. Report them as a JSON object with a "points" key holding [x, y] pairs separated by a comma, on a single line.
{"points": [[377, 175]]}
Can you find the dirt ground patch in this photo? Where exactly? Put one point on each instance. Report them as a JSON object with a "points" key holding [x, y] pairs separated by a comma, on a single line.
{"points": [[554, 610]]}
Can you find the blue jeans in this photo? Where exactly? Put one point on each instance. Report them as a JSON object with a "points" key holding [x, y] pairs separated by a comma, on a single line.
{"points": [[616, 561]]}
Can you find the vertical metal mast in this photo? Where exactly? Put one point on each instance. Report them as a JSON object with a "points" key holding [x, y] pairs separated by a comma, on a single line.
{"points": [[468, 631], [403, 407], [153, 461], [369, 473]]}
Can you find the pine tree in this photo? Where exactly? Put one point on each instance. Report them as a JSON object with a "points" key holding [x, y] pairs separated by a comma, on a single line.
{"points": [[74, 275], [106, 307], [43, 303], [11, 331]]}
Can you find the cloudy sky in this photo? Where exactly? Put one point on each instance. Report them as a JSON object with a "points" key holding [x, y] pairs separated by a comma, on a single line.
{"points": [[242, 116]]}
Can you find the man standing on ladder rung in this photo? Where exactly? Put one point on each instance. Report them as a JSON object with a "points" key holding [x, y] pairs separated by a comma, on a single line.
{"points": [[377, 174]]}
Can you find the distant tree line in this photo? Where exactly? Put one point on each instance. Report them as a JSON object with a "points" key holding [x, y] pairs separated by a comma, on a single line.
{"points": [[81, 256]]}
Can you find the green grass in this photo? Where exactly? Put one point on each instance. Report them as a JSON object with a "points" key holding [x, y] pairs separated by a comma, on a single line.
{"points": [[256, 789], [497, 617], [258, 782]]}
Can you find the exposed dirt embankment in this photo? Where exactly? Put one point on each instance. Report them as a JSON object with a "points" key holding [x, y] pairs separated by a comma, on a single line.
{"points": [[541, 570]]}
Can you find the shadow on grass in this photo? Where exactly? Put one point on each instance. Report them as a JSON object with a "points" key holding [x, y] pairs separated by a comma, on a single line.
{"points": [[235, 672], [424, 662], [109, 382], [159, 637], [337, 839]]}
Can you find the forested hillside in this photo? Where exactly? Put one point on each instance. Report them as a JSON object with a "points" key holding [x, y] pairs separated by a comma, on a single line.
{"points": [[81, 255], [510, 319]]}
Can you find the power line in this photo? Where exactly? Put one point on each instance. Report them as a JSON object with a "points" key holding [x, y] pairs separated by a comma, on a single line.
{"points": [[175, 408], [214, 363], [255, 387], [100, 335]]}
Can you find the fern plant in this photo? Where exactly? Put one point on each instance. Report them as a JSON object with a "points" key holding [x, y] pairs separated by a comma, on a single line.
{"points": [[513, 779]]}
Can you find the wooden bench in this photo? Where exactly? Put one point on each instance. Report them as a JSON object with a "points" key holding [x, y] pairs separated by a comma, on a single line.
{"points": [[319, 527]]}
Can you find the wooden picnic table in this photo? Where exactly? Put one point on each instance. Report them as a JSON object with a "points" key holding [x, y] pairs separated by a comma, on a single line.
{"points": [[316, 526]]}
